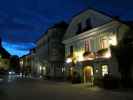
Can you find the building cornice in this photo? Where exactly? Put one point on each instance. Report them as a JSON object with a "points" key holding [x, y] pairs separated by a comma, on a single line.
{"points": [[92, 32]]}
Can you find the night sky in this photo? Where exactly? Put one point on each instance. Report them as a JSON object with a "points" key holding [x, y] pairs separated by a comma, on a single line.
{"points": [[22, 22]]}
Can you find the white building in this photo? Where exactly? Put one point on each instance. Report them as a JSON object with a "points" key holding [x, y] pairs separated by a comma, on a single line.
{"points": [[87, 45]]}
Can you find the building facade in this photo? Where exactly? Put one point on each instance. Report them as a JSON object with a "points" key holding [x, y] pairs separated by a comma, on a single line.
{"points": [[49, 53], [88, 42], [25, 64]]}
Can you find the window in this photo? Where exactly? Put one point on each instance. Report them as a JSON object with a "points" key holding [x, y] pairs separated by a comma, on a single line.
{"points": [[104, 43], [79, 29], [88, 23], [87, 45], [104, 70], [71, 50]]}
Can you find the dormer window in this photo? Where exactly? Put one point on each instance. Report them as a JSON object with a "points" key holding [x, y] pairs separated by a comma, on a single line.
{"points": [[79, 28], [88, 24]]}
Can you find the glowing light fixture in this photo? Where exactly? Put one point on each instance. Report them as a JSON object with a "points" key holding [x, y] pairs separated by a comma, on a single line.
{"points": [[96, 70], [68, 60]]}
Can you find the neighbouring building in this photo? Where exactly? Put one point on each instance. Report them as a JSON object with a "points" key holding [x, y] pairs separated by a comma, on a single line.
{"points": [[25, 64], [34, 69], [4, 58], [48, 56], [87, 45]]}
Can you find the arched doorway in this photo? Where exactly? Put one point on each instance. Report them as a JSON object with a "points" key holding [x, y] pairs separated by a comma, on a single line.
{"points": [[88, 74]]}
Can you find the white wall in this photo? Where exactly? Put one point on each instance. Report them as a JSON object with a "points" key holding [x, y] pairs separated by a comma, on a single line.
{"points": [[96, 19]]}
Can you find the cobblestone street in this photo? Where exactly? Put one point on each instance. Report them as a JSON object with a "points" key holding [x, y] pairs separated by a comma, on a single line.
{"points": [[50, 90]]}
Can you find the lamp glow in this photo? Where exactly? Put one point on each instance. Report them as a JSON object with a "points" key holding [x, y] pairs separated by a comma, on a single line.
{"points": [[107, 54], [113, 40], [68, 60]]}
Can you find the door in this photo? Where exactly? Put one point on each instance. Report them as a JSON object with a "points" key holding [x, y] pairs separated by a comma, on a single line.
{"points": [[88, 74]]}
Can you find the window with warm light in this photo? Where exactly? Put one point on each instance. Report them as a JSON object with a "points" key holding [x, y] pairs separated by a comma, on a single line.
{"points": [[104, 69], [104, 43]]}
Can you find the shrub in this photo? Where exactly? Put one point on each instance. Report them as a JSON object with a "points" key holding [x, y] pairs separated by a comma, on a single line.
{"points": [[76, 78]]}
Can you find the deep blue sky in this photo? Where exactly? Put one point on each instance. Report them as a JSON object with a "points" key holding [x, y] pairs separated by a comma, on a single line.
{"points": [[24, 21]]}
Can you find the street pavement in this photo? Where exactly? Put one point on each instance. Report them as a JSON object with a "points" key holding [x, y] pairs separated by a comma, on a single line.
{"points": [[38, 89]]}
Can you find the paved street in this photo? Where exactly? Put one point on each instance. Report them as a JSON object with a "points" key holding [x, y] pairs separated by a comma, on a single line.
{"points": [[50, 90]]}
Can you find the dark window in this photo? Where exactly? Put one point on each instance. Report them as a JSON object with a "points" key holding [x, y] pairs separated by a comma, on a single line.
{"points": [[79, 28], [54, 35], [88, 24], [71, 50], [34, 50]]}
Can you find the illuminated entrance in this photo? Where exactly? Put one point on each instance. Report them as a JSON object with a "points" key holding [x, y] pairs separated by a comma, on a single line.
{"points": [[88, 74]]}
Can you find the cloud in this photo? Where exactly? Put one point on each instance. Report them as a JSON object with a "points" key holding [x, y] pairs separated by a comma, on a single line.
{"points": [[18, 48], [19, 45]]}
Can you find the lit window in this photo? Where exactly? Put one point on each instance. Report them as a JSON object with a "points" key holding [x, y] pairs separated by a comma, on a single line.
{"points": [[104, 43], [104, 70]]}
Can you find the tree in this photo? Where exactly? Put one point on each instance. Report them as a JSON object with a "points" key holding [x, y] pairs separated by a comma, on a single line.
{"points": [[124, 55]]}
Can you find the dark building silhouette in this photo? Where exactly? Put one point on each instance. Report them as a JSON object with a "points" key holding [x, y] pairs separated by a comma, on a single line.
{"points": [[4, 57]]}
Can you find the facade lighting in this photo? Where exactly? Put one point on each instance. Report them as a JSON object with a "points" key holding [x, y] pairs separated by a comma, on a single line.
{"points": [[96, 70], [44, 68], [107, 54], [40, 68], [113, 40], [21, 62]]}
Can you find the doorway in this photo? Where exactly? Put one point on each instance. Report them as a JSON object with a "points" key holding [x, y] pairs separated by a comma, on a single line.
{"points": [[88, 74]]}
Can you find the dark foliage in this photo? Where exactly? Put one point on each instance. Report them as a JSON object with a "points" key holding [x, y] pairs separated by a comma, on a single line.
{"points": [[124, 55], [110, 82], [76, 77]]}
